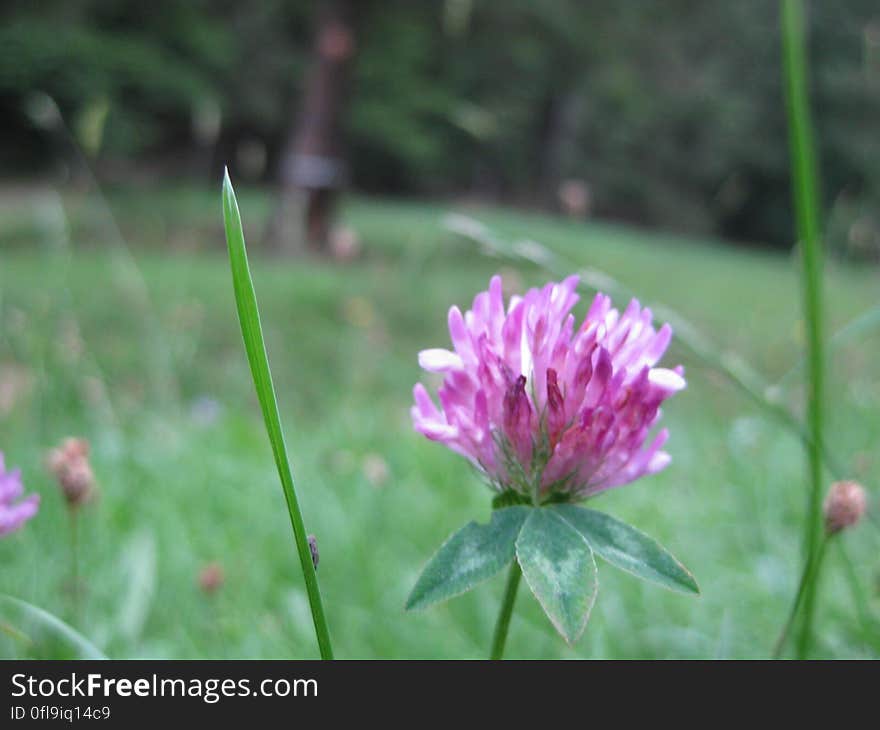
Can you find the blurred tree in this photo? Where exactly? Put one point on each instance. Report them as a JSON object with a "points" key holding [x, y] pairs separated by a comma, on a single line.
{"points": [[313, 164], [666, 114], [157, 67]]}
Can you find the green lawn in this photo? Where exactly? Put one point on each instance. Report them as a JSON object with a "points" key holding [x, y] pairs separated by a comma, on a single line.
{"points": [[137, 348]]}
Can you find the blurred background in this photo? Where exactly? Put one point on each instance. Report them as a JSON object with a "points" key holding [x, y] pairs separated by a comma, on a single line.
{"points": [[644, 141], [666, 115]]}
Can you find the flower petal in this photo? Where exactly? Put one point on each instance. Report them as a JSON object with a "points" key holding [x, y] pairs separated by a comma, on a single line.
{"points": [[438, 360]]}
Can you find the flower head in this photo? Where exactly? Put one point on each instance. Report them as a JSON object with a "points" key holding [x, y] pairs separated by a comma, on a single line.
{"points": [[844, 506], [14, 512], [69, 463], [546, 409]]}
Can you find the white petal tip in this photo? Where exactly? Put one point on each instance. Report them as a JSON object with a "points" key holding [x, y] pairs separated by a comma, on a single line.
{"points": [[667, 379]]}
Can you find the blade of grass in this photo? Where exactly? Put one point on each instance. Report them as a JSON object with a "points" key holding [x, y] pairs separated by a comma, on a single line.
{"points": [[806, 205], [868, 625], [252, 333], [861, 325], [811, 569], [39, 629]]}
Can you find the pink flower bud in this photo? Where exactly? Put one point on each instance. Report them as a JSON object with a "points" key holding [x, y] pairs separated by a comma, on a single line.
{"points": [[555, 408], [211, 578], [517, 419], [844, 506], [70, 466]]}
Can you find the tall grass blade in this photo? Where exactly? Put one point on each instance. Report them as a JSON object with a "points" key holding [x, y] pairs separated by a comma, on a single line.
{"points": [[858, 327], [41, 635], [252, 333], [806, 205]]}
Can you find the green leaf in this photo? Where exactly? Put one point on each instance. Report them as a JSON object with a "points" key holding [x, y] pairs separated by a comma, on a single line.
{"points": [[139, 565], [37, 634], [252, 333], [559, 567], [628, 548], [473, 554]]}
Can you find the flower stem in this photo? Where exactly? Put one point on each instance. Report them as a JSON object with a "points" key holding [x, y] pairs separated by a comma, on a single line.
{"points": [[503, 624], [74, 562], [806, 204], [808, 577]]}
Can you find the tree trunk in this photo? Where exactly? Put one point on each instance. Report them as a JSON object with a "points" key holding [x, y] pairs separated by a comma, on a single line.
{"points": [[313, 167]]}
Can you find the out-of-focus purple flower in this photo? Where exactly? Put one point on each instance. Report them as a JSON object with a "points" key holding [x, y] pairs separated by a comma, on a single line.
{"points": [[542, 408], [14, 512], [205, 411]]}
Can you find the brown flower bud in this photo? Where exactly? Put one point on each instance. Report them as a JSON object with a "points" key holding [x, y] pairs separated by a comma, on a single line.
{"points": [[69, 464], [844, 506], [211, 578]]}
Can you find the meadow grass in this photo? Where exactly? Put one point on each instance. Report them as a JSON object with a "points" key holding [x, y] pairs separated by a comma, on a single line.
{"points": [[138, 349]]}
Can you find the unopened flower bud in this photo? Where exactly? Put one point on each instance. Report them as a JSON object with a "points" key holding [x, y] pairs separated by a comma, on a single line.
{"points": [[211, 578], [69, 464], [517, 419], [555, 407], [844, 506]]}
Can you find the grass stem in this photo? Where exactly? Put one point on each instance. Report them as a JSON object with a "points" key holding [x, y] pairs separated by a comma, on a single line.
{"points": [[74, 564], [806, 205], [811, 569]]}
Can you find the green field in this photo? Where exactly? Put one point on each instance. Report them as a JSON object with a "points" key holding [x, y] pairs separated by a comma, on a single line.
{"points": [[129, 338]]}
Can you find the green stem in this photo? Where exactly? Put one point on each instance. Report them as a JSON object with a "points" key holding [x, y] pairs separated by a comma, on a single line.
{"points": [[808, 576], [74, 557], [806, 203], [322, 632], [503, 624], [858, 595]]}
